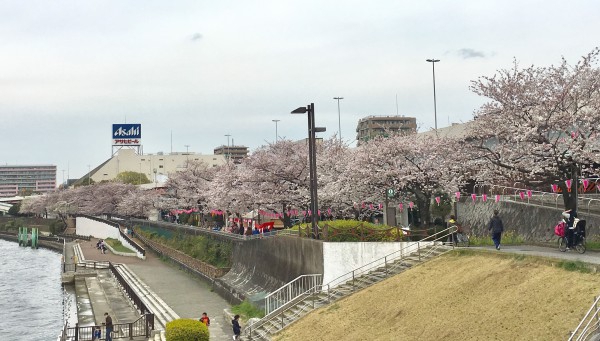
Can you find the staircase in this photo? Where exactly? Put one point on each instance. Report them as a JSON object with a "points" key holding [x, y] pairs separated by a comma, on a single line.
{"points": [[345, 285]]}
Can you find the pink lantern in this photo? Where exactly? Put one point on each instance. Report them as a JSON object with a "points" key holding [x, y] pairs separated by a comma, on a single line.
{"points": [[457, 194], [411, 205], [484, 197], [364, 205], [329, 211], [497, 197], [529, 193], [438, 199], [522, 195], [586, 182], [554, 188], [319, 212], [380, 206], [370, 206], [568, 183], [474, 197], [400, 207]]}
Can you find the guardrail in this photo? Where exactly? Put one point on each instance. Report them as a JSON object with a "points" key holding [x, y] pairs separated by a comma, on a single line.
{"points": [[85, 265], [290, 291], [140, 327], [130, 292], [132, 243], [589, 325]]}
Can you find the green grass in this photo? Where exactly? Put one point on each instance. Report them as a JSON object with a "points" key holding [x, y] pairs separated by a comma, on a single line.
{"points": [[508, 238], [574, 266], [117, 246], [246, 310]]}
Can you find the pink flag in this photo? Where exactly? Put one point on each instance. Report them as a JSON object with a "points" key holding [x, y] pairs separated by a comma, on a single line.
{"points": [[309, 212], [529, 193], [554, 188], [484, 197], [329, 211], [411, 204], [438, 199], [370, 206], [522, 195], [586, 182], [457, 194], [319, 212], [400, 207], [568, 183], [363, 205], [380, 206], [497, 197], [474, 197]]}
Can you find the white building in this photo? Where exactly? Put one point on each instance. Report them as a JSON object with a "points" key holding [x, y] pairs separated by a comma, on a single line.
{"points": [[156, 167]]}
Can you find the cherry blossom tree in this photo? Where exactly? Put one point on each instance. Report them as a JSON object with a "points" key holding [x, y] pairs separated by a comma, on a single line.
{"points": [[541, 124]]}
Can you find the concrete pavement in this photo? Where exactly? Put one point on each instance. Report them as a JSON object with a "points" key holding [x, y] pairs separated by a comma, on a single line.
{"points": [[592, 257]]}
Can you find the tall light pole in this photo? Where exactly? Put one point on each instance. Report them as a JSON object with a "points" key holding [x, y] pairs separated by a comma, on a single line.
{"points": [[433, 61], [276, 129], [227, 150], [312, 159], [339, 117], [187, 148]]}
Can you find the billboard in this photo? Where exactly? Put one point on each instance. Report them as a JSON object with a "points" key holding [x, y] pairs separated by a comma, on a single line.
{"points": [[127, 134]]}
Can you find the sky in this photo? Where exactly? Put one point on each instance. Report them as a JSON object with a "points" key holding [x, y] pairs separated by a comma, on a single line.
{"points": [[199, 70]]}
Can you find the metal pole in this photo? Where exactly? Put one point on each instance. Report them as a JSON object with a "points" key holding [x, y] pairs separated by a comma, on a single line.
{"points": [[276, 121], [227, 150], [339, 117], [315, 209], [433, 61], [310, 168]]}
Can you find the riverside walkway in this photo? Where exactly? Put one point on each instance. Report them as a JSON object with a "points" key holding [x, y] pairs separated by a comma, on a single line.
{"points": [[187, 295], [592, 257]]}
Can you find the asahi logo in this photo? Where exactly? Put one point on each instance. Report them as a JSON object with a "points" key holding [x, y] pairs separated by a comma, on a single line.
{"points": [[133, 131]]}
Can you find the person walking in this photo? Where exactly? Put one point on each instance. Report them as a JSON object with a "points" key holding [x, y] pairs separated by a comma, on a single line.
{"points": [[109, 327], [205, 319], [497, 228], [237, 330]]}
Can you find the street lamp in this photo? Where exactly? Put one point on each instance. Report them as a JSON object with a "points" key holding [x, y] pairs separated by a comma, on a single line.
{"points": [[339, 117], [276, 129], [227, 150], [433, 61], [312, 159]]}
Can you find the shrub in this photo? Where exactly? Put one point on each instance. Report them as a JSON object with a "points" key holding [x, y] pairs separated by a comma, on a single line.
{"points": [[186, 330], [247, 311]]}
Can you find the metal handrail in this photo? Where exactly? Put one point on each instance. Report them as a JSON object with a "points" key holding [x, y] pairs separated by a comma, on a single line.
{"points": [[143, 326], [131, 293], [592, 317], [290, 291], [132, 243], [388, 263]]}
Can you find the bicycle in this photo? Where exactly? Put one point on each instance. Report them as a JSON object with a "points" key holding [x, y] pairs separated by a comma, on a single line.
{"points": [[578, 239]]}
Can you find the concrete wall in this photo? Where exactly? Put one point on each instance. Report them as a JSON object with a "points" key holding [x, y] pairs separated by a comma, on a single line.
{"points": [[126, 243], [533, 223], [96, 229], [261, 266], [341, 258]]}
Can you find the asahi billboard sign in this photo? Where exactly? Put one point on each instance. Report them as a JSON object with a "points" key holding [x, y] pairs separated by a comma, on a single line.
{"points": [[127, 134]]}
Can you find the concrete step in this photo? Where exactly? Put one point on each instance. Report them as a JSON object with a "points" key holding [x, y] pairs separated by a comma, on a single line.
{"points": [[85, 314]]}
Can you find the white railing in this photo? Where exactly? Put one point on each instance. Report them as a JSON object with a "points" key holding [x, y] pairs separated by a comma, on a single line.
{"points": [[279, 318], [301, 285], [590, 323]]}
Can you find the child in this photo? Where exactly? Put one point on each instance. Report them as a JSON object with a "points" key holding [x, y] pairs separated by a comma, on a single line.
{"points": [[97, 334], [204, 319], [237, 330]]}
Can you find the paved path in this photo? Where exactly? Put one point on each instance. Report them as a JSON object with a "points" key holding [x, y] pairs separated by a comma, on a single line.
{"points": [[592, 257], [187, 295]]}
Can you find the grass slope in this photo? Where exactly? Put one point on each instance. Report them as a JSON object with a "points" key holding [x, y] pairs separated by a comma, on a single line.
{"points": [[460, 296]]}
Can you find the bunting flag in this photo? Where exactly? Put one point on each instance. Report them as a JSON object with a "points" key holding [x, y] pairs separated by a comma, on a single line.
{"points": [[529, 193], [400, 207], [370, 206], [554, 188], [380, 206], [484, 197], [568, 183], [522, 195], [457, 194], [438, 199], [474, 197], [364, 205], [586, 182], [329, 211], [497, 197], [411, 205]]}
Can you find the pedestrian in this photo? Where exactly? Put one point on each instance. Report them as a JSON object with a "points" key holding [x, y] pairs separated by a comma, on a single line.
{"points": [[109, 327], [97, 334], [570, 216], [204, 319], [497, 228], [237, 330]]}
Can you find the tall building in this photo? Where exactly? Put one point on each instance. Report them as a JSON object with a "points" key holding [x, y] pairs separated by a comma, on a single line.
{"points": [[372, 126], [235, 153], [25, 180], [156, 167]]}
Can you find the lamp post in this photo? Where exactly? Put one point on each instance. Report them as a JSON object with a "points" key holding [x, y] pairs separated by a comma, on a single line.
{"points": [[339, 117], [433, 61], [276, 129], [227, 150], [312, 159]]}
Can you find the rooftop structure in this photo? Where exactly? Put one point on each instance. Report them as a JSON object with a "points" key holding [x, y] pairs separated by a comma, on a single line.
{"points": [[372, 126]]}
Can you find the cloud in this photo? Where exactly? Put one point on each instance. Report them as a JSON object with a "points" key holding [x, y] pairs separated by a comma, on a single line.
{"points": [[196, 36], [470, 53]]}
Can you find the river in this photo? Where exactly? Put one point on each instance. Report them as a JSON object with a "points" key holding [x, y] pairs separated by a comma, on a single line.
{"points": [[33, 303]]}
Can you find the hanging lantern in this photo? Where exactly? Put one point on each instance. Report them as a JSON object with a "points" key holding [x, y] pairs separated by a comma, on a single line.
{"points": [[438, 199], [474, 197], [457, 194], [568, 183], [586, 182], [522, 195], [400, 207], [554, 188], [529, 193], [484, 197], [411, 205]]}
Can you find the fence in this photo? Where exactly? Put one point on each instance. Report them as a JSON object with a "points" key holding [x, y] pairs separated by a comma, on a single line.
{"points": [[589, 325], [133, 296], [141, 327]]}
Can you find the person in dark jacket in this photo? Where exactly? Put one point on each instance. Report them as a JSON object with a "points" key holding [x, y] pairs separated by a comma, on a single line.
{"points": [[237, 330], [497, 228]]}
